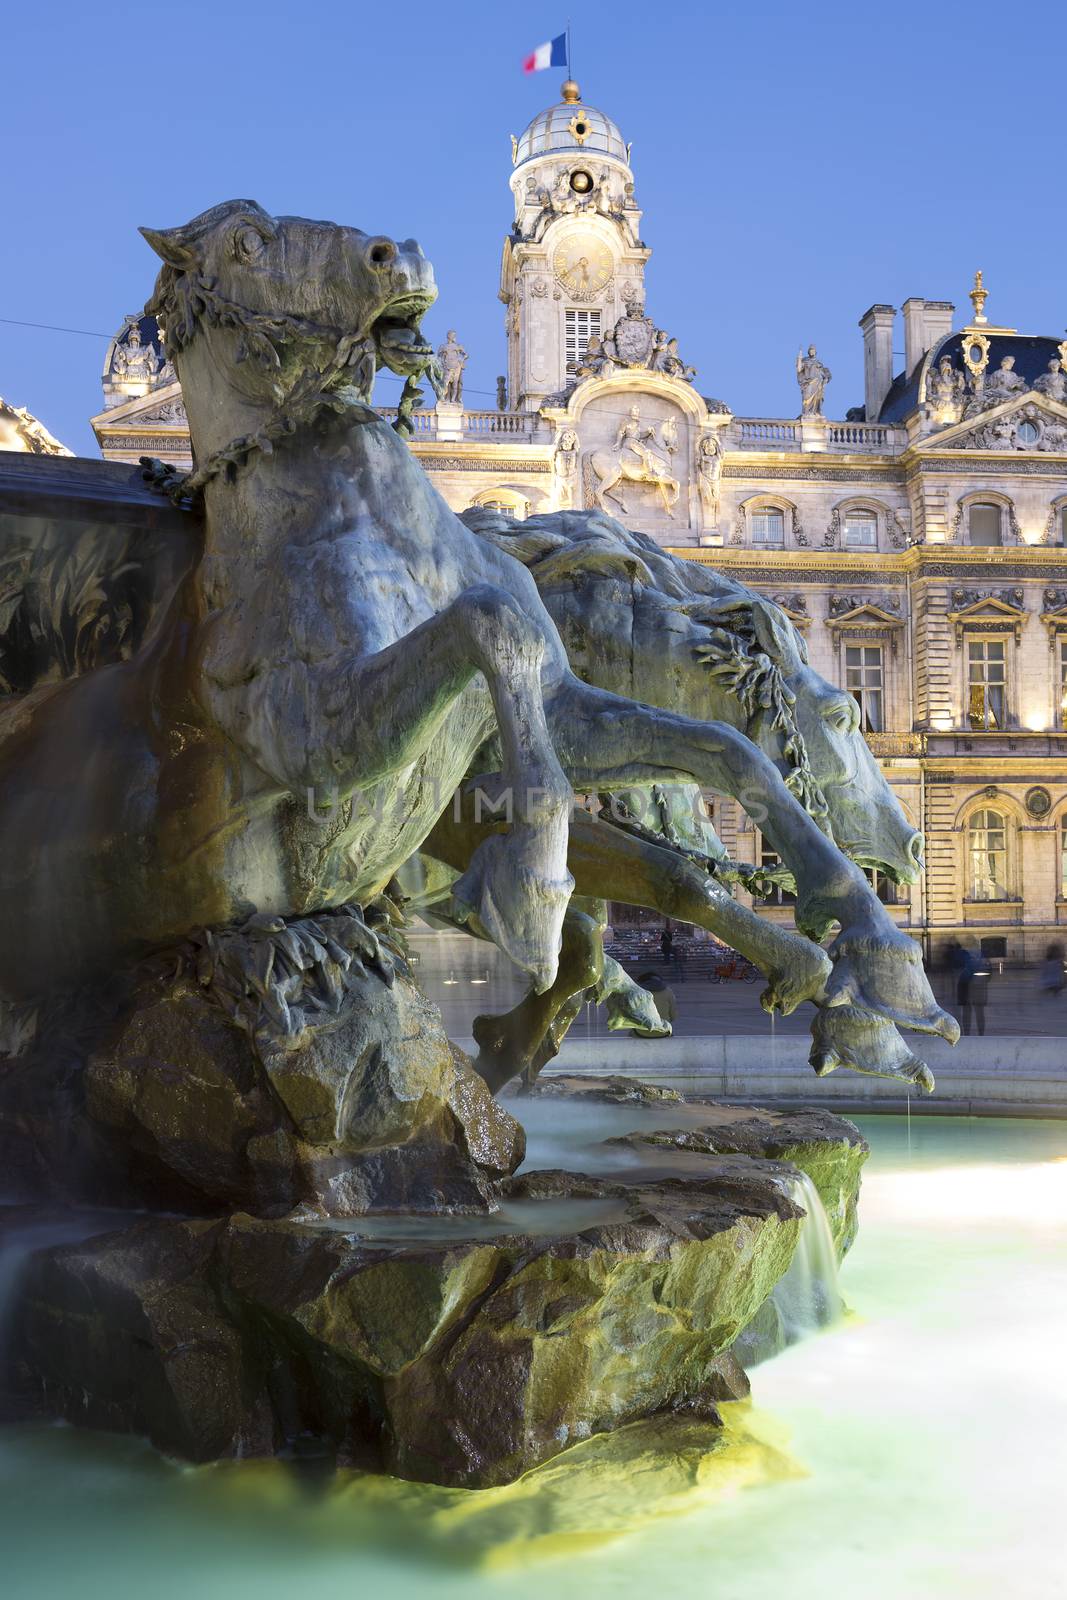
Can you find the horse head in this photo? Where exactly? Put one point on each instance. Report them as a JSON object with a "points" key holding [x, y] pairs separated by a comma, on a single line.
{"points": [[254, 304], [812, 730]]}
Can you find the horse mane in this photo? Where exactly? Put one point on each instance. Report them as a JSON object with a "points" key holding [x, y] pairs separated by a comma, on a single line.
{"points": [[747, 638]]}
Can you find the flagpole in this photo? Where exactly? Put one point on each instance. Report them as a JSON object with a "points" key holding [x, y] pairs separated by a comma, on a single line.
{"points": [[570, 63]]}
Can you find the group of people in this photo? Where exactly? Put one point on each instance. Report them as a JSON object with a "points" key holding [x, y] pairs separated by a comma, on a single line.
{"points": [[971, 972]]}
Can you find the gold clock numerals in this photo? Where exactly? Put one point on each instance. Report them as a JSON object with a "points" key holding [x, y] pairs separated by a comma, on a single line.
{"points": [[583, 266]]}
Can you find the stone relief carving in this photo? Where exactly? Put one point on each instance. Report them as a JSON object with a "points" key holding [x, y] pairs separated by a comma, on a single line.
{"points": [[963, 598], [1028, 428], [565, 462], [796, 605], [638, 455], [1053, 383], [1003, 384], [946, 393], [840, 604], [169, 411], [502, 393], [21, 432], [634, 343], [898, 534], [812, 376], [1054, 599], [453, 359], [709, 473]]}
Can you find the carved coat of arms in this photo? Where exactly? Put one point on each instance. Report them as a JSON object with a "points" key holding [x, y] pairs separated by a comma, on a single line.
{"points": [[633, 339]]}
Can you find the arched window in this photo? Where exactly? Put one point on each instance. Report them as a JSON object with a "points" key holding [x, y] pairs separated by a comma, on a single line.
{"points": [[987, 851], [983, 524], [506, 501], [768, 528], [1060, 526], [860, 530]]}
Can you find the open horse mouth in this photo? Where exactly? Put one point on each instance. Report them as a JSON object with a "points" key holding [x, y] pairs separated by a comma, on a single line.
{"points": [[401, 344]]}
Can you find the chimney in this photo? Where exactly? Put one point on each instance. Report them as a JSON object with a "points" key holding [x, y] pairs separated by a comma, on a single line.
{"points": [[877, 325], [939, 314], [925, 322]]}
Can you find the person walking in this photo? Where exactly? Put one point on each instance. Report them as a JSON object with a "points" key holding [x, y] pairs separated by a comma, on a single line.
{"points": [[961, 965], [666, 944], [1050, 977], [978, 994]]}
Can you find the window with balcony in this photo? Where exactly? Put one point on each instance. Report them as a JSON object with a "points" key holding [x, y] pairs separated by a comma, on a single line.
{"points": [[987, 684], [579, 328], [984, 524], [864, 680], [768, 528], [860, 531], [987, 850]]}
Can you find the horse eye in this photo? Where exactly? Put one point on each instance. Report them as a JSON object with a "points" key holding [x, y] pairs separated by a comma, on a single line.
{"points": [[248, 243]]}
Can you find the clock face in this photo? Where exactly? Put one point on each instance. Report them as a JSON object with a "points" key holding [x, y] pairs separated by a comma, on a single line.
{"points": [[583, 265]]}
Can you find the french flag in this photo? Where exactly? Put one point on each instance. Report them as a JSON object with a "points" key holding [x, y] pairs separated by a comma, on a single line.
{"points": [[552, 54]]}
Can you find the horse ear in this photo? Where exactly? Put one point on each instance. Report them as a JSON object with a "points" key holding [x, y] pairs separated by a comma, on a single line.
{"points": [[775, 634], [171, 246]]}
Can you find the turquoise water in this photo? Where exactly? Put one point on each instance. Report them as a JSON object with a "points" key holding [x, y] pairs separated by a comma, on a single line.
{"points": [[930, 1426]]}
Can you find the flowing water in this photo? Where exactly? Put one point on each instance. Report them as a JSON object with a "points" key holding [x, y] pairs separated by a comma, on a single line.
{"points": [[926, 1431]]}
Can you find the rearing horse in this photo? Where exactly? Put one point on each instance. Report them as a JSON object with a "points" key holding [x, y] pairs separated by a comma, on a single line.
{"points": [[342, 634]]}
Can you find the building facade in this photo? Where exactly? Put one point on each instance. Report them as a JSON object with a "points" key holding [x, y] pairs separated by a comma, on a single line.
{"points": [[920, 544]]}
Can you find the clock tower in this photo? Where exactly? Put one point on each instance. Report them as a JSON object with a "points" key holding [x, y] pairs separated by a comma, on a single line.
{"points": [[574, 259]]}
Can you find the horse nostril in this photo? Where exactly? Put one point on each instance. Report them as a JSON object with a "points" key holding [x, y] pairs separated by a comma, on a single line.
{"points": [[917, 848], [381, 253]]}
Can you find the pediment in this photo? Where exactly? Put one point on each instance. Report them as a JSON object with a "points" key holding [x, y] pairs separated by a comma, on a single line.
{"points": [[869, 612], [1003, 611], [159, 408], [1026, 422]]}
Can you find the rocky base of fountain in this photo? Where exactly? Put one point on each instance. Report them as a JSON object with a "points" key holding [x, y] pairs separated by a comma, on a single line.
{"points": [[289, 1063], [454, 1350]]}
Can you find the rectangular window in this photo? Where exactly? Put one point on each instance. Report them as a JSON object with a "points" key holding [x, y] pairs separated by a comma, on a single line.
{"points": [[861, 531], [1063, 525], [1062, 690], [984, 525], [865, 683], [580, 326], [768, 528], [1063, 859], [778, 896], [986, 683]]}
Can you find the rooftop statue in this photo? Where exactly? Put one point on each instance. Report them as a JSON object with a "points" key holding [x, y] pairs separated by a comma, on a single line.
{"points": [[812, 377], [453, 359]]}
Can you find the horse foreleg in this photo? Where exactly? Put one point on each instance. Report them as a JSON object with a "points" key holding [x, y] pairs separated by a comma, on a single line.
{"points": [[606, 742], [349, 721], [519, 1042], [641, 873]]}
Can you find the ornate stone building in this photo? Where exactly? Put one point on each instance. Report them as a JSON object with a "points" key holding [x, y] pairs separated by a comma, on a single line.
{"points": [[920, 544]]}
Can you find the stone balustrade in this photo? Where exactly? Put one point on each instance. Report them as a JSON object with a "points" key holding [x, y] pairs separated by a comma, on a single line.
{"points": [[517, 425], [817, 433]]}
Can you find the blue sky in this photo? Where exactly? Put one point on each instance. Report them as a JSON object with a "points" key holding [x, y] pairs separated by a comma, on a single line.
{"points": [[795, 163]]}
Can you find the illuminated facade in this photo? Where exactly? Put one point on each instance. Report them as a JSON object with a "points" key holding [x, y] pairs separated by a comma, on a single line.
{"points": [[920, 544]]}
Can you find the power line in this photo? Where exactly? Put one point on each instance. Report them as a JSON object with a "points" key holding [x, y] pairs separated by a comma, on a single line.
{"points": [[388, 377], [50, 327]]}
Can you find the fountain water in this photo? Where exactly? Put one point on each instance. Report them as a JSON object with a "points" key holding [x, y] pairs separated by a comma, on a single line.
{"points": [[807, 1298]]}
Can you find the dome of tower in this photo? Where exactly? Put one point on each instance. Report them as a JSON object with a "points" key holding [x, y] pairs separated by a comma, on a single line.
{"points": [[570, 126]]}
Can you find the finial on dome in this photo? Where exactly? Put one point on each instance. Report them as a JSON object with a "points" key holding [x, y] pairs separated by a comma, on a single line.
{"points": [[978, 297], [571, 93]]}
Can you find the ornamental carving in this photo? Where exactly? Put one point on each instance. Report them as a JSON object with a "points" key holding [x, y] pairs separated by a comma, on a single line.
{"points": [[635, 344], [985, 610], [1027, 428]]}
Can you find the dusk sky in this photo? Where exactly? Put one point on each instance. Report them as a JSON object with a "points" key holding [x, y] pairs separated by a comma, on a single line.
{"points": [[794, 164]]}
